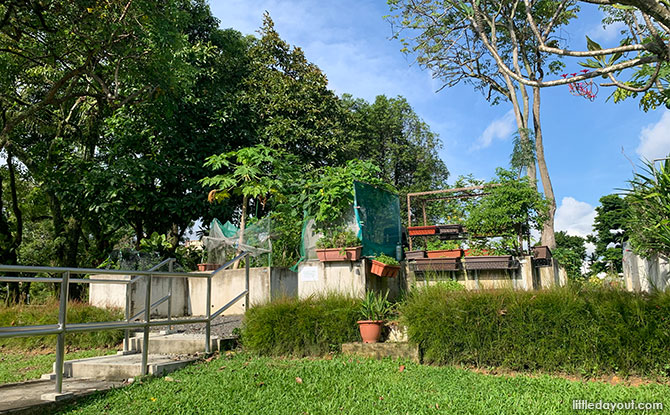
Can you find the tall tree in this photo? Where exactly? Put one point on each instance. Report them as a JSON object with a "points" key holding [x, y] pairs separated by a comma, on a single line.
{"points": [[609, 226]]}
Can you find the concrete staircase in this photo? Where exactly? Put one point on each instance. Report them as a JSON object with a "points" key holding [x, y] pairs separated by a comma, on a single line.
{"points": [[167, 353]]}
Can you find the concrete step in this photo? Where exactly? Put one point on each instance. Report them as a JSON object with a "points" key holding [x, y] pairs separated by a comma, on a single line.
{"points": [[396, 350], [119, 367], [180, 343]]}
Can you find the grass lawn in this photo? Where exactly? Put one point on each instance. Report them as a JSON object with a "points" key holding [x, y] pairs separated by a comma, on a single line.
{"points": [[241, 384], [18, 366]]}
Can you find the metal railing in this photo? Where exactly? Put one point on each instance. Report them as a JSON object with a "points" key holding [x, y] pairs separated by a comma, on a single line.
{"points": [[62, 327]]}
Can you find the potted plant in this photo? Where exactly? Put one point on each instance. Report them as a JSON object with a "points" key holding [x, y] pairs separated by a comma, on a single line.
{"points": [[385, 266], [443, 249], [204, 265], [375, 308], [415, 254], [341, 245]]}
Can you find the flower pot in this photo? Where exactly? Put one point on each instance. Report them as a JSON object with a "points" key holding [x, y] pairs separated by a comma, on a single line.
{"points": [[490, 262], [439, 264], [449, 229], [415, 254], [384, 270], [371, 330], [541, 252], [445, 253], [339, 254], [422, 230], [208, 267]]}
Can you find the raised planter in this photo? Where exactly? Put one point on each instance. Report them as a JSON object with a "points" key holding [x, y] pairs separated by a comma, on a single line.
{"points": [[208, 267], [445, 253], [384, 270], [415, 254], [422, 230], [449, 229], [441, 264], [339, 254], [468, 252], [490, 262]]}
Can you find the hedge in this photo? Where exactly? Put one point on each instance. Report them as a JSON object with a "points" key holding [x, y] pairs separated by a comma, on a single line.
{"points": [[578, 330], [308, 327]]}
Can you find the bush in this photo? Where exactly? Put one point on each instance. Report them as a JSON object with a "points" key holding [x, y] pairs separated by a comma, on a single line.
{"points": [[29, 315], [579, 329], [308, 327]]}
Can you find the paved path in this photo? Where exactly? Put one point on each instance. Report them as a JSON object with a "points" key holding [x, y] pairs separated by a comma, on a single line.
{"points": [[26, 397]]}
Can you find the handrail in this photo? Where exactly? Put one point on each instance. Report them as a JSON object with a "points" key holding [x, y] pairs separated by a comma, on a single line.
{"points": [[61, 328]]}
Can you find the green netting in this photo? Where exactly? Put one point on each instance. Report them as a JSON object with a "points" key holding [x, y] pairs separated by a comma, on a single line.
{"points": [[378, 217]]}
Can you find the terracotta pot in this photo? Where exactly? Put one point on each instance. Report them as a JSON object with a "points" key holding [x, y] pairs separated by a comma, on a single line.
{"points": [[384, 270], [371, 330], [339, 254], [208, 267], [445, 253], [422, 230]]}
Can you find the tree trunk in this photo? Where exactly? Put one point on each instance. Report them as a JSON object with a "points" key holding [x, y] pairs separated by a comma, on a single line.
{"points": [[243, 223], [548, 238]]}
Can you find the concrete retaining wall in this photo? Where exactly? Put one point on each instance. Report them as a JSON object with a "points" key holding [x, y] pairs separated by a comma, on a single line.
{"points": [[645, 275], [345, 277], [265, 283], [114, 295]]}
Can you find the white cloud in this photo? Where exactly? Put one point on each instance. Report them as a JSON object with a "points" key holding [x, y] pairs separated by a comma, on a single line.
{"points": [[498, 129], [655, 139], [608, 33], [574, 217]]}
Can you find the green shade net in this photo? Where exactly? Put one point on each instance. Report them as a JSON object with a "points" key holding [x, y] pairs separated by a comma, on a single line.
{"points": [[378, 217]]}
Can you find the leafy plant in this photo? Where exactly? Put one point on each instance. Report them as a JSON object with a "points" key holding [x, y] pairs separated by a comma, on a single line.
{"points": [[434, 244], [387, 260], [375, 306], [340, 239]]}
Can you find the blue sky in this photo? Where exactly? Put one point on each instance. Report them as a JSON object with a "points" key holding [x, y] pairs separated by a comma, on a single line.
{"points": [[349, 41]]}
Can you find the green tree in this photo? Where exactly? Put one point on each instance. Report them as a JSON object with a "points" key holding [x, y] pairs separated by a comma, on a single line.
{"points": [[405, 149], [570, 252], [609, 225]]}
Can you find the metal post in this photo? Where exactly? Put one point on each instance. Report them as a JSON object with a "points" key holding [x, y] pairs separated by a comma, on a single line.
{"points": [[126, 338], [169, 312], [147, 317], [208, 313], [62, 318], [246, 282]]}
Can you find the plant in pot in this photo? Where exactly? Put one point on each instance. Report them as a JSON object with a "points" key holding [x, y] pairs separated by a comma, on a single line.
{"points": [[204, 265], [385, 266], [341, 245], [375, 308], [443, 249]]}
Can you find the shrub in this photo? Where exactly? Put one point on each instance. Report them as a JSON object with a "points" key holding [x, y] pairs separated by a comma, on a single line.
{"points": [[307, 327], [29, 315], [579, 329]]}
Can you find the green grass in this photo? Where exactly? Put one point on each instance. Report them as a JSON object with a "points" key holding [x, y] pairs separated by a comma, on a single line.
{"points": [[244, 384], [25, 315], [17, 366]]}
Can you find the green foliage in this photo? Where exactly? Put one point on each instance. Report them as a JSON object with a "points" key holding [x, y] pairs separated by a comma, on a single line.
{"points": [[609, 225], [339, 239], [239, 383], [570, 252], [576, 329], [510, 208], [308, 327], [28, 365], [436, 244], [648, 223], [29, 315], [523, 152], [387, 260], [375, 306]]}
